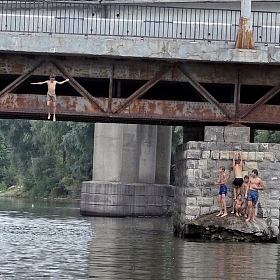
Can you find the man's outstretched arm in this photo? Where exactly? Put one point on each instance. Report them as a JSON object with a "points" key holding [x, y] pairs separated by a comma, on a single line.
{"points": [[39, 83], [60, 83]]}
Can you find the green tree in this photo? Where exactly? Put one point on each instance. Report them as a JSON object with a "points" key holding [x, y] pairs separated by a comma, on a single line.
{"points": [[267, 136], [47, 158], [177, 139]]}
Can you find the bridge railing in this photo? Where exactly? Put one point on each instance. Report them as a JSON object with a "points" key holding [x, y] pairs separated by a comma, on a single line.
{"points": [[87, 18]]}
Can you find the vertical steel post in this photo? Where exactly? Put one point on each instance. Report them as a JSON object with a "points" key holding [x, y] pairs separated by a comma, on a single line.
{"points": [[245, 36]]}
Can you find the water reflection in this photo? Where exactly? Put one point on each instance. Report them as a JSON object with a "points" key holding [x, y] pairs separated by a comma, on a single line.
{"points": [[145, 249], [36, 245], [52, 241]]}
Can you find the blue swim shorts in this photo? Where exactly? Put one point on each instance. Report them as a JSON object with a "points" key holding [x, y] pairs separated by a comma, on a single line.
{"points": [[223, 190], [253, 196]]}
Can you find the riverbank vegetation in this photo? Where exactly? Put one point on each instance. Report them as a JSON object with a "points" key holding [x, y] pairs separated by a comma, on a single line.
{"points": [[45, 159]]}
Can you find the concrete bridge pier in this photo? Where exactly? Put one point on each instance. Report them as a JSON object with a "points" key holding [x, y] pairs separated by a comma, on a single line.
{"points": [[131, 172]]}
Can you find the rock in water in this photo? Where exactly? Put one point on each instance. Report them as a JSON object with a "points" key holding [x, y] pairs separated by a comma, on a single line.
{"points": [[231, 228]]}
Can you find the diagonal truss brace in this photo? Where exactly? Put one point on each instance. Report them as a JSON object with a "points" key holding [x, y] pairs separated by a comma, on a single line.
{"points": [[202, 91], [262, 100], [142, 90], [19, 80], [80, 89]]}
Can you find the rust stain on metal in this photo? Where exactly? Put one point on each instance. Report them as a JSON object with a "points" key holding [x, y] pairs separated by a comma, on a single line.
{"points": [[78, 107], [203, 72], [202, 91], [262, 100], [245, 36], [80, 89], [142, 90]]}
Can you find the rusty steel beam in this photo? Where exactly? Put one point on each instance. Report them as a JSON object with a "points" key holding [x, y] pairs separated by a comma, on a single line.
{"points": [[237, 88], [262, 100], [142, 109], [110, 95], [80, 89], [78, 108], [203, 72], [142, 90], [111, 84], [20, 79], [202, 91]]}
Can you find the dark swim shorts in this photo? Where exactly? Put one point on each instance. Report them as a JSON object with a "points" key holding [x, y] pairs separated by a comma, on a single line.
{"points": [[223, 190], [238, 182]]}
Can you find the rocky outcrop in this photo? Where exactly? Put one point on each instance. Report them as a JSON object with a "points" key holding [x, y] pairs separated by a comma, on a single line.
{"points": [[231, 228]]}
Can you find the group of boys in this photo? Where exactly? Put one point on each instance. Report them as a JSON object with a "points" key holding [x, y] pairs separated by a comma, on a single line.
{"points": [[245, 191]]}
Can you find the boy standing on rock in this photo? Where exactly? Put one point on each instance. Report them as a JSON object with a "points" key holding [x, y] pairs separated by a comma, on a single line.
{"points": [[222, 192], [255, 184]]}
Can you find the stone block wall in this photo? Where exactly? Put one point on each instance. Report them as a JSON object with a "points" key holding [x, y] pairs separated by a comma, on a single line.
{"points": [[197, 168]]}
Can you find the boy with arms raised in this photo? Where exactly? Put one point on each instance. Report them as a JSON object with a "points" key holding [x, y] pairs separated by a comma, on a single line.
{"points": [[237, 163]]}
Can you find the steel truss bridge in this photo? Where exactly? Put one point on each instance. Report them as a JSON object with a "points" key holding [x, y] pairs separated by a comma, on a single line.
{"points": [[127, 90], [112, 90]]}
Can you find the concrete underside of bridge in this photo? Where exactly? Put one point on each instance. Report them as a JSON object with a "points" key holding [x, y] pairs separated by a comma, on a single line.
{"points": [[142, 91]]}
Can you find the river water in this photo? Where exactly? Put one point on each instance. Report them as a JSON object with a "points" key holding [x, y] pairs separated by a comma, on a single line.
{"points": [[43, 240]]}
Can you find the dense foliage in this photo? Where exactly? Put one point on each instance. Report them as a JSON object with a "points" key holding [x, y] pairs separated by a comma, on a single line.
{"points": [[46, 158], [177, 139], [267, 136]]}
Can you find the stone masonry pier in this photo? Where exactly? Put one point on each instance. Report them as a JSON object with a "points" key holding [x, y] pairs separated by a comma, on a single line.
{"points": [[197, 167]]}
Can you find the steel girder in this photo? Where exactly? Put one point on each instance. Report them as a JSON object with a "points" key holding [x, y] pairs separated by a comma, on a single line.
{"points": [[137, 110]]}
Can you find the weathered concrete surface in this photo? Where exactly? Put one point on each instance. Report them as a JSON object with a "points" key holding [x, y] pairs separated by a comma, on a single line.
{"points": [[231, 228], [137, 48], [121, 200], [129, 153], [131, 172]]}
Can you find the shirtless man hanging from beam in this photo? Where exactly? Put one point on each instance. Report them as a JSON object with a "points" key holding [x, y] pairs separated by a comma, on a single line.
{"points": [[237, 164], [51, 96]]}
